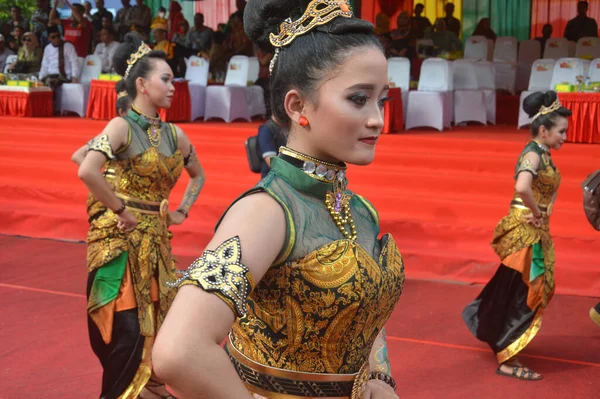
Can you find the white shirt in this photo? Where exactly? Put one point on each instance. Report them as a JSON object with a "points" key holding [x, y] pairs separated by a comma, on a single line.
{"points": [[106, 54], [50, 61]]}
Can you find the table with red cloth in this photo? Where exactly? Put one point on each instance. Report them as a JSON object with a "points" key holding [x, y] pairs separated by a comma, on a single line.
{"points": [[393, 112], [26, 101], [584, 124], [103, 99]]}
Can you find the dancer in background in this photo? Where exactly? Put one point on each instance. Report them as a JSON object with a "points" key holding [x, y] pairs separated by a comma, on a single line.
{"points": [[508, 312], [129, 252], [295, 272]]}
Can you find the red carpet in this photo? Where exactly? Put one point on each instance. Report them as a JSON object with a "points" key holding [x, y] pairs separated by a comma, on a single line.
{"points": [[45, 351], [440, 194]]}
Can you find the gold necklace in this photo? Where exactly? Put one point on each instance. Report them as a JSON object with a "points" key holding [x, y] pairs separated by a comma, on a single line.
{"points": [[153, 130], [336, 200]]}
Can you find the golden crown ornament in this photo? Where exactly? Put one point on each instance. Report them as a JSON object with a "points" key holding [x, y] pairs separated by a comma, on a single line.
{"points": [[135, 57]]}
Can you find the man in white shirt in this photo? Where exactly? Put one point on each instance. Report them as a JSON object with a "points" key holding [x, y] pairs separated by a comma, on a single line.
{"points": [[106, 49], [59, 64], [4, 53]]}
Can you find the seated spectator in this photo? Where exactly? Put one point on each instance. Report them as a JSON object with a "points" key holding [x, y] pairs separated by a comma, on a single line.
{"points": [[106, 48], [4, 52], [160, 18], [382, 24], [30, 54], [403, 40], [180, 36], [236, 41], [443, 40], [107, 22], [546, 34], [386, 42], [270, 138], [160, 32], [581, 25], [59, 63], [76, 29], [484, 28], [200, 37], [17, 37]]}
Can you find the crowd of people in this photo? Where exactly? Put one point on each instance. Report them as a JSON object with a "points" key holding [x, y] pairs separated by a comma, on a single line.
{"points": [[48, 46]]}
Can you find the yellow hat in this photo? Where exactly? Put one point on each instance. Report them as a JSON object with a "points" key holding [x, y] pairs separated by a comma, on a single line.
{"points": [[160, 23]]}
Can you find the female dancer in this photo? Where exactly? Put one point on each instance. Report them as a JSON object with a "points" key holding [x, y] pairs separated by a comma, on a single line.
{"points": [[508, 312], [295, 273], [129, 253]]}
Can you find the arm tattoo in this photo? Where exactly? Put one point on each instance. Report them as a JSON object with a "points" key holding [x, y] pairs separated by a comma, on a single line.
{"points": [[191, 193], [379, 355]]}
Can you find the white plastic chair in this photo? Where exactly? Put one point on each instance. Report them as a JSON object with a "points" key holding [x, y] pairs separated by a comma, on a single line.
{"points": [[529, 51], [197, 75], [431, 105], [588, 47], [541, 76], [229, 102], [9, 60], [594, 72], [490, 52], [477, 48], [469, 103], [255, 94], [505, 61], [567, 70], [556, 47], [399, 76], [486, 81], [73, 97]]}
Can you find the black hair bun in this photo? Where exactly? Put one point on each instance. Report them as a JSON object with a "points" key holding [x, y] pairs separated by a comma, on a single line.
{"points": [[263, 17], [534, 102], [130, 45], [120, 86]]}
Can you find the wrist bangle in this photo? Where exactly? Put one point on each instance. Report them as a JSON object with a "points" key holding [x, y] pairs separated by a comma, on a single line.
{"points": [[121, 208], [184, 213], [377, 375]]}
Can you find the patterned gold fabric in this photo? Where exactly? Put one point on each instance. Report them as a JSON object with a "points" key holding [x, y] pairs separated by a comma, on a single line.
{"points": [[322, 313], [146, 173], [512, 234]]}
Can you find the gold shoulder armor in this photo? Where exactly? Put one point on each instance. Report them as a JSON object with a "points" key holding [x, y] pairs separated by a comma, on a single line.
{"points": [[101, 144], [221, 272], [527, 166]]}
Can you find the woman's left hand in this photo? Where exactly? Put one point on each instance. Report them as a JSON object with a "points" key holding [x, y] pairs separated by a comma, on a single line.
{"points": [[175, 218], [377, 389]]}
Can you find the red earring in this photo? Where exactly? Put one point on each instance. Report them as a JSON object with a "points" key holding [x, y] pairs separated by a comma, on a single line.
{"points": [[303, 121]]}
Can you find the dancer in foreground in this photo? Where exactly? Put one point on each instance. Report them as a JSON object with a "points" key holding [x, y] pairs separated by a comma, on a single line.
{"points": [[508, 312], [295, 273], [129, 252]]}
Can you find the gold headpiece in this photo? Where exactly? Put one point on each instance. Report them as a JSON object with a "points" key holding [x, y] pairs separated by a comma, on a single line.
{"points": [[556, 105], [318, 12], [122, 94], [135, 57]]}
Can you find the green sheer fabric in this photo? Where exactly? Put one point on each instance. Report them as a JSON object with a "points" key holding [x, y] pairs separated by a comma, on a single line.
{"points": [[311, 224], [508, 17]]}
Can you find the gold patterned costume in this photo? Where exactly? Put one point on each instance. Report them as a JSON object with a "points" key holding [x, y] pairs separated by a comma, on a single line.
{"points": [[127, 293], [508, 312], [311, 322]]}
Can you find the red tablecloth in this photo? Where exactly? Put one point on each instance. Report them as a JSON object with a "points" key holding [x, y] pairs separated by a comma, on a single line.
{"points": [[584, 125], [32, 104], [103, 99], [393, 112]]}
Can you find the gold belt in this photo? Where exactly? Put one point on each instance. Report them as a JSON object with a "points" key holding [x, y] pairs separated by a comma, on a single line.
{"points": [[147, 207], [518, 204], [275, 383]]}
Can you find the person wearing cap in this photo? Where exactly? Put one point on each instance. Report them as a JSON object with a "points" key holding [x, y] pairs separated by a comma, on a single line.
{"points": [[4, 52]]}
